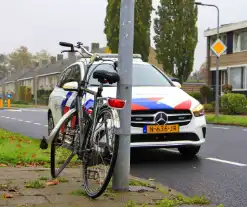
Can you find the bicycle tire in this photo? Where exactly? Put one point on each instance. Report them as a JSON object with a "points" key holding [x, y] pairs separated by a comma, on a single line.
{"points": [[55, 173], [108, 177]]}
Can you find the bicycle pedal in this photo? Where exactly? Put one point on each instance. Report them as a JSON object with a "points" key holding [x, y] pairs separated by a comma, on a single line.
{"points": [[43, 144]]}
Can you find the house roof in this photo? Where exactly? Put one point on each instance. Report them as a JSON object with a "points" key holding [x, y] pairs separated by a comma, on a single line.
{"points": [[2, 81], [56, 67], [30, 73], [226, 28], [16, 75]]}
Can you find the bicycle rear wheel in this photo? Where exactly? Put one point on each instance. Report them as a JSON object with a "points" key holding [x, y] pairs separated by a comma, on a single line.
{"points": [[62, 146], [103, 152]]}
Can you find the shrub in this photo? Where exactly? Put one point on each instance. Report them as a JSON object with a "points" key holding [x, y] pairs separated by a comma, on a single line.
{"points": [[234, 103], [227, 88], [20, 102], [196, 95], [208, 107], [206, 93]]}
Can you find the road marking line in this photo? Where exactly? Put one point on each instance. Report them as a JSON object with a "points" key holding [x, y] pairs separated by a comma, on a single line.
{"points": [[28, 121], [220, 127], [46, 125], [6, 117], [37, 123], [245, 130], [225, 161], [19, 120], [3, 116], [13, 118]]}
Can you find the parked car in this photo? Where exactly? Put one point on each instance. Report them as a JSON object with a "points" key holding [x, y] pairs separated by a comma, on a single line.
{"points": [[163, 115]]}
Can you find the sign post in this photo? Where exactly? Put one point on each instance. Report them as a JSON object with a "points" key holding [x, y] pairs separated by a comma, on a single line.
{"points": [[124, 91], [8, 101], [1, 101], [218, 48]]}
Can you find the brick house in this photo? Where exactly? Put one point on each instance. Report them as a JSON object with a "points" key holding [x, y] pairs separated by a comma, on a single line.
{"points": [[233, 63]]}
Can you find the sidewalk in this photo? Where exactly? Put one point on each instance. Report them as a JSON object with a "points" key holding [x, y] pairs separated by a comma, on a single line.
{"points": [[69, 191]]}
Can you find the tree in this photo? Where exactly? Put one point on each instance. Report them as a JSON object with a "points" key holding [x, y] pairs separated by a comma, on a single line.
{"points": [[142, 23], [176, 36], [42, 55], [3, 65], [20, 58]]}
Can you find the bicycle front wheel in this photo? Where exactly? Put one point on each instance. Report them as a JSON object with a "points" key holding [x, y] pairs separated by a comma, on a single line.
{"points": [[62, 147], [100, 160]]}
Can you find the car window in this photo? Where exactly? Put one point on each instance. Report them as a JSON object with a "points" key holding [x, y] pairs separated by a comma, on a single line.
{"points": [[75, 73], [143, 75], [65, 77]]}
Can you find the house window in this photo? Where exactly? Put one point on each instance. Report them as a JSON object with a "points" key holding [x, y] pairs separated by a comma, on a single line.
{"points": [[240, 41], [238, 78]]}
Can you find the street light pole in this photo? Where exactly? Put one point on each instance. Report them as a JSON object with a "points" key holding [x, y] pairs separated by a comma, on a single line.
{"points": [[120, 181], [217, 57]]}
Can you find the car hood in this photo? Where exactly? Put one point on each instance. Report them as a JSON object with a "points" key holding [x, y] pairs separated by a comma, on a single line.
{"points": [[151, 98]]}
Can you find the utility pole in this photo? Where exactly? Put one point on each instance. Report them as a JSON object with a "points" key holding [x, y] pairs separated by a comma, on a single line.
{"points": [[217, 57], [124, 91]]}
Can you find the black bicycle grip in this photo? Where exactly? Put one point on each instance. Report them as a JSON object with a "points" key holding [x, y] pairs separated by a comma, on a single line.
{"points": [[66, 44]]}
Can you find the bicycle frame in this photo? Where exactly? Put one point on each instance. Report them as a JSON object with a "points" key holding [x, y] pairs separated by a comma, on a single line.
{"points": [[97, 102]]}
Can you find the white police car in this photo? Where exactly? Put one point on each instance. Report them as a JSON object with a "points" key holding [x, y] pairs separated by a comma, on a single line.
{"points": [[163, 115]]}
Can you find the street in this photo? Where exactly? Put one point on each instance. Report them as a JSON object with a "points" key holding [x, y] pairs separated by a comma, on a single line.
{"points": [[218, 173]]}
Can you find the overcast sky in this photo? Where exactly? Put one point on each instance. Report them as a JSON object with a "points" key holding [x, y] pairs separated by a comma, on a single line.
{"points": [[41, 24]]}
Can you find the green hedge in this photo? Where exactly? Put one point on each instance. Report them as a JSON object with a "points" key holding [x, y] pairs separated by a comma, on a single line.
{"points": [[234, 103], [197, 96]]}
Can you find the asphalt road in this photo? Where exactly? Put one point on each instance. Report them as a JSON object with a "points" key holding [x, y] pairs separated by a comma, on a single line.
{"points": [[218, 173]]}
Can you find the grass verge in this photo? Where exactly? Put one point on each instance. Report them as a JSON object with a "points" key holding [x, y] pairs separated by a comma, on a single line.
{"points": [[227, 120], [17, 149], [24, 106], [20, 150]]}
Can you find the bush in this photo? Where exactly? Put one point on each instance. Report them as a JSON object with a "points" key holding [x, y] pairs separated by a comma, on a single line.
{"points": [[208, 107], [206, 93], [227, 88], [20, 102], [234, 103], [196, 95]]}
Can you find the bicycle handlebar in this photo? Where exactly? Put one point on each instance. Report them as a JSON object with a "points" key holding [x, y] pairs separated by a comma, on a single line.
{"points": [[66, 44], [93, 57]]}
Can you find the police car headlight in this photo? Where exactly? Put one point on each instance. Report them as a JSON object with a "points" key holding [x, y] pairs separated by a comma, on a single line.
{"points": [[199, 111]]}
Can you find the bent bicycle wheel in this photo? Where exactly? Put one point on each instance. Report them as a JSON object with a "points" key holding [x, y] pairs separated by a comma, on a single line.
{"points": [[100, 160], [62, 146]]}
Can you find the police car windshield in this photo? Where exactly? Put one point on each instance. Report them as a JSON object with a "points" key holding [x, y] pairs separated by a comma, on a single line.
{"points": [[143, 75]]}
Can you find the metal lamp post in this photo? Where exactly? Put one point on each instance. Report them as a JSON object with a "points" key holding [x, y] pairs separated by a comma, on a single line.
{"points": [[217, 57]]}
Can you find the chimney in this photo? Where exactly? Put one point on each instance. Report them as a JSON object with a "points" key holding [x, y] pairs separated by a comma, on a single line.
{"points": [[35, 64], [71, 56], [53, 60], [42, 63], [94, 47], [59, 57]]}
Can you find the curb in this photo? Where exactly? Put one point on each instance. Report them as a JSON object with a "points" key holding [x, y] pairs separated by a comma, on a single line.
{"points": [[227, 124], [6, 108]]}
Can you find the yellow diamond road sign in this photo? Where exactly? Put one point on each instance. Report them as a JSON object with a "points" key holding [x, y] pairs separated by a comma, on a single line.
{"points": [[218, 47]]}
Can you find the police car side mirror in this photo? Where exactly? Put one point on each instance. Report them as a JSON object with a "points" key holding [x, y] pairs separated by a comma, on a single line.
{"points": [[177, 84], [71, 86]]}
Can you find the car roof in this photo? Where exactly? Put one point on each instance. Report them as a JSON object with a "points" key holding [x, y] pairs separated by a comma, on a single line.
{"points": [[136, 58]]}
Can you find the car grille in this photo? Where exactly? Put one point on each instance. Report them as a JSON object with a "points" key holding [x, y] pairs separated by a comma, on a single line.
{"points": [[141, 118]]}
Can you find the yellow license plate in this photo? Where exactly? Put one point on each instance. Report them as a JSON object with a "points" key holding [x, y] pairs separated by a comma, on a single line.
{"points": [[156, 129]]}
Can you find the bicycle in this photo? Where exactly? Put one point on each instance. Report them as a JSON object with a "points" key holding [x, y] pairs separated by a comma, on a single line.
{"points": [[79, 130]]}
